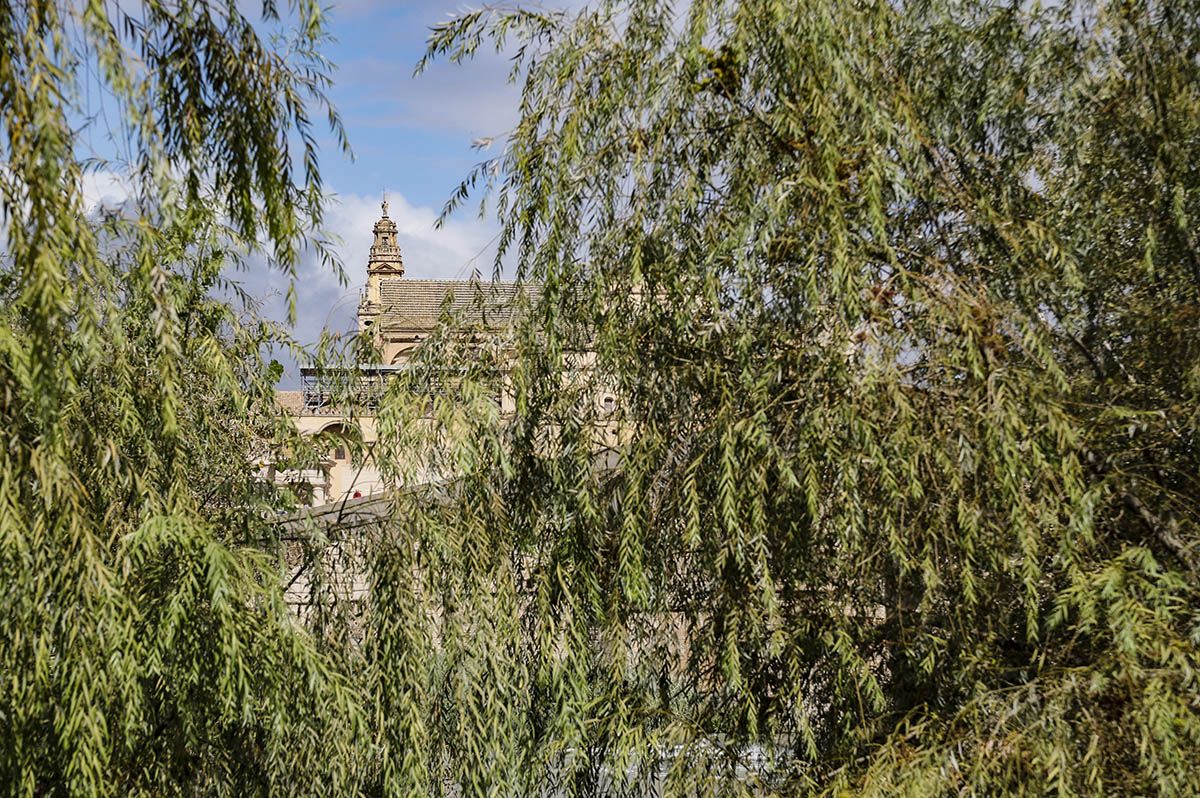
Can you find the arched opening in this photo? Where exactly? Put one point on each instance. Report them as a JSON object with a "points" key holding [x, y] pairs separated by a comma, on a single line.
{"points": [[402, 355], [350, 471], [336, 438]]}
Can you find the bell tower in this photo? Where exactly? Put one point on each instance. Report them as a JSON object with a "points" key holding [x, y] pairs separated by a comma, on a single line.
{"points": [[384, 262]]}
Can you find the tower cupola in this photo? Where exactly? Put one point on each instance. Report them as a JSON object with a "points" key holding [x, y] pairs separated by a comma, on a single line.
{"points": [[385, 252], [384, 263]]}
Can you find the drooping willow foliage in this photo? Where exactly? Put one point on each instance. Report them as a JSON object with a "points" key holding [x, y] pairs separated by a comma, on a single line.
{"points": [[145, 649], [845, 442], [853, 447]]}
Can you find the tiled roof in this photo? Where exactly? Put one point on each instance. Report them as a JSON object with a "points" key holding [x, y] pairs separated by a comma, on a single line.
{"points": [[291, 402], [418, 303]]}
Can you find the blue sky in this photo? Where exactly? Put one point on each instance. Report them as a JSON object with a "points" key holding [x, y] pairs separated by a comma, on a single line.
{"points": [[410, 135], [412, 139]]}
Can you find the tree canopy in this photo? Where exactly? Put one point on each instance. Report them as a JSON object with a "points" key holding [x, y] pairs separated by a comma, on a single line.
{"points": [[898, 306], [854, 442], [144, 647]]}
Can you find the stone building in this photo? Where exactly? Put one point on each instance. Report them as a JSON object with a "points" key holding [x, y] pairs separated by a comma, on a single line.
{"points": [[398, 313]]}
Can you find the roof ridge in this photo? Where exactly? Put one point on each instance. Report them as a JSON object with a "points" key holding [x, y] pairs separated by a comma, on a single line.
{"points": [[447, 280]]}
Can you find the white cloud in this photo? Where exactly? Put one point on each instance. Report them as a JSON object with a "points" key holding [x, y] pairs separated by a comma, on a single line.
{"points": [[452, 251], [449, 252], [105, 189]]}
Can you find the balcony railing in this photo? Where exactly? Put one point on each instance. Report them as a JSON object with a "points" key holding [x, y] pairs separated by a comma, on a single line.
{"points": [[334, 392], [331, 392]]}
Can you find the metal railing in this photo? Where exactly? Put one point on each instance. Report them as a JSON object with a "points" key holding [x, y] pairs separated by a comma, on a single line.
{"points": [[331, 392]]}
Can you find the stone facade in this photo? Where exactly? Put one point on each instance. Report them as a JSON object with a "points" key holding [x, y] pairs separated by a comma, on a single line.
{"points": [[399, 313]]}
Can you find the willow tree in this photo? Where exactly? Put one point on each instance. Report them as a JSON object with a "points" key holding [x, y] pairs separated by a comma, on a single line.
{"points": [[898, 308], [144, 649]]}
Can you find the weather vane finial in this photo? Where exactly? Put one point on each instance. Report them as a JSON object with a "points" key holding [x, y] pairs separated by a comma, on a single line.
{"points": [[384, 204]]}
